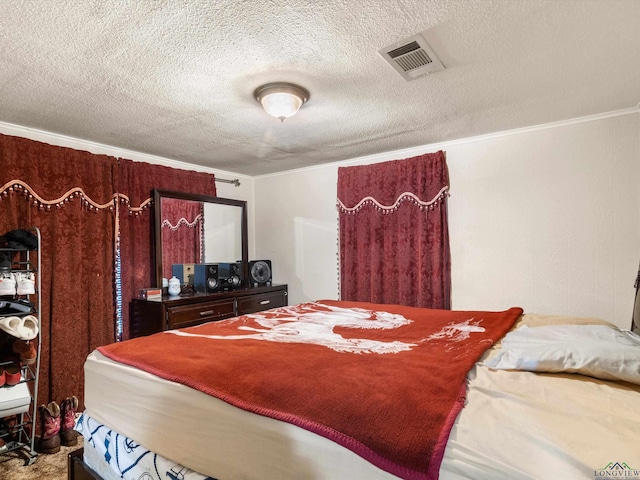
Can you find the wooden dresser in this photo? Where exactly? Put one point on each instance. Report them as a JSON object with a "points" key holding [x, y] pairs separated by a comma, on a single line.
{"points": [[147, 317]]}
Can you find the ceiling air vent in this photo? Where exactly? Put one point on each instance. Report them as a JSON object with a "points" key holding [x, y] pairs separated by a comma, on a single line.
{"points": [[412, 58]]}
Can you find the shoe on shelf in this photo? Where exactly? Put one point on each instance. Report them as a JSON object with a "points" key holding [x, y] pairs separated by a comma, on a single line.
{"points": [[11, 325], [49, 417], [5, 262], [24, 328], [7, 283], [68, 409], [25, 283], [16, 306], [12, 374], [26, 349], [30, 328]]}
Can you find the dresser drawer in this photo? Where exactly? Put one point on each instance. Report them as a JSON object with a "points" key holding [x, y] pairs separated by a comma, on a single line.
{"points": [[196, 313], [264, 301]]}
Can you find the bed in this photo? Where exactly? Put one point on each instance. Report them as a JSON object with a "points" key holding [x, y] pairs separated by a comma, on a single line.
{"points": [[557, 397]]}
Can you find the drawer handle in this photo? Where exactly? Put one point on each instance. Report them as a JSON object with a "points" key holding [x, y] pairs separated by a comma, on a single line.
{"points": [[208, 312], [265, 302]]}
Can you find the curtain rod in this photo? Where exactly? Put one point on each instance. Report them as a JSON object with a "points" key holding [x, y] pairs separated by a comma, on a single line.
{"points": [[235, 181]]}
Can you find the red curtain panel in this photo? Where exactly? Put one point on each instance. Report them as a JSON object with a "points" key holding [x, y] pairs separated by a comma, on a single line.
{"points": [[83, 204], [394, 238], [136, 181], [68, 195]]}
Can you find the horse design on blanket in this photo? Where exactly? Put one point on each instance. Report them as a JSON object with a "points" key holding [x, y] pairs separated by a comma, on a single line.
{"points": [[312, 323], [458, 332]]}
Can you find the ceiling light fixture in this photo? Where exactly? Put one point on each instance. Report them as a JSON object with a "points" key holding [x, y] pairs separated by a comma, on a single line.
{"points": [[281, 100]]}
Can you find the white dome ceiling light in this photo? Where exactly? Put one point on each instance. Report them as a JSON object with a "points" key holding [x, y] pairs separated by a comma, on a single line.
{"points": [[281, 100]]}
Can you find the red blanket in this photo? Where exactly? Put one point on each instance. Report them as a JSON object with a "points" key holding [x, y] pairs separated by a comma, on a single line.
{"points": [[385, 381]]}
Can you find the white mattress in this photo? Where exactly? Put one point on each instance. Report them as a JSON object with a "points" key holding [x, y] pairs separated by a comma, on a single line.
{"points": [[516, 425]]}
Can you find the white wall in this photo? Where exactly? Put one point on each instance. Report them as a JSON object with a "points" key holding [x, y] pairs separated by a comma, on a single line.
{"points": [[296, 228], [243, 192], [544, 218]]}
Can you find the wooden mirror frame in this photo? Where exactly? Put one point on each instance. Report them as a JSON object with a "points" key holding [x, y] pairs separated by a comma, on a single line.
{"points": [[157, 197]]}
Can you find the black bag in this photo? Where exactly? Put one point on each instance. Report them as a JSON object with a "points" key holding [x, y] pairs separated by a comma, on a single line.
{"points": [[20, 240]]}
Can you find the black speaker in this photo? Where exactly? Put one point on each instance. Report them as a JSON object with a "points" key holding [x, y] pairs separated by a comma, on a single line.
{"points": [[230, 275], [260, 272], [205, 277]]}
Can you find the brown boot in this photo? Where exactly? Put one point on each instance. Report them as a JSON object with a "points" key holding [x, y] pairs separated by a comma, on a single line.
{"points": [[50, 428], [68, 409], [26, 349]]}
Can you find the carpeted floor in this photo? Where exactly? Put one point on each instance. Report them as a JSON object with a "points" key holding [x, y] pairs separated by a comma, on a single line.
{"points": [[46, 467]]}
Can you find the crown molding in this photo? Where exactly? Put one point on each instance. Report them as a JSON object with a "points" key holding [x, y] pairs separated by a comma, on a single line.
{"points": [[421, 149], [103, 149]]}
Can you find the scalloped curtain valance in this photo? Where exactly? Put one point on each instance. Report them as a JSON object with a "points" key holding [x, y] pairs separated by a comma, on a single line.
{"points": [[23, 188], [393, 232]]}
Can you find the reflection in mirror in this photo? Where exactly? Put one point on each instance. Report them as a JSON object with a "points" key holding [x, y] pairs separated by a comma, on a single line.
{"points": [[182, 224], [222, 234], [198, 229]]}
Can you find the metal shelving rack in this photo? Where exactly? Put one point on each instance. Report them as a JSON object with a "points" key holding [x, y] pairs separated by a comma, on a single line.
{"points": [[22, 432]]}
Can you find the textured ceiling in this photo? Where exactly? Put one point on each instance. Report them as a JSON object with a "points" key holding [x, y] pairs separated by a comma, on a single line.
{"points": [[175, 78]]}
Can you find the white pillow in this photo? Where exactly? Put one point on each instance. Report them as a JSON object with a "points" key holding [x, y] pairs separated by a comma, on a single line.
{"points": [[599, 351]]}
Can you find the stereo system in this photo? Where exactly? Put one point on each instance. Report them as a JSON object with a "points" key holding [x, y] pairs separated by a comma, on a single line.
{"points": [[260, 272], [217, 277]]}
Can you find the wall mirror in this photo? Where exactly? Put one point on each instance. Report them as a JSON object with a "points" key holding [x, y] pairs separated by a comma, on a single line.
{"points": [[193, 228]]}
